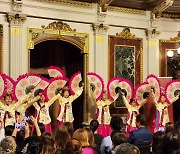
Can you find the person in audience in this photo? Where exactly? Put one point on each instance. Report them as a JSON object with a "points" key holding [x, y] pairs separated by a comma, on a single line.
{"points": [[38, 128], [74, 146], [177, 127], [61, 137], [9, 130], [141, 136], [8, 145], [116, 124], [94, 124], [65, 101], [82, 136], [170, 143], [33, 145], [42, 108], [157, 142], [90, 137], [119, 138], [169, 127], [126, 148], [48, 144], [70, 128]]}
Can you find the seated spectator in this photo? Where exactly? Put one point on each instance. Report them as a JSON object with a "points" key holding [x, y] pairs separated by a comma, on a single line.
{"points": [[177, 127], [8, 145], [119, 138], [157, 142], [170, 143], [70, 128], [94, 124], [82, 136], [126, 148], [48, 144], [74, 146], [9, 130], [141, 136], [90, 137], [116, 125], [61, 137], [169, 127]]}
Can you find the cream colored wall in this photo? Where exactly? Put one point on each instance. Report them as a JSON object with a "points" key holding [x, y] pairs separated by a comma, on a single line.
{"points": [[82, 18]]}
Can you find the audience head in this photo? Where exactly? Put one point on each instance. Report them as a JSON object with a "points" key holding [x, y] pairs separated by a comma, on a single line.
{"points": [[157, 142], [116, 123], [140, 120], [8, 145], [170, 143], [169, 127], [74, 145], [48, 144], [119, 138], [82, 136], [70, 128], [126, 148], [61, 137], [34, 145], [94, 124], [177, 127], [90, 137], [8, 130]]}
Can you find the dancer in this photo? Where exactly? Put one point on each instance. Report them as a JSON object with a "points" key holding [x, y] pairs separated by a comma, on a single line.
{"points": [[65, 101], [42, 108]]}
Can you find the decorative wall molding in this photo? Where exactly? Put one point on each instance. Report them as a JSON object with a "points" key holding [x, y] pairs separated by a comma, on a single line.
{"points": [[69, 2], [126, 34], [152, 33], [100, 28], [177, 39], [17, 5], [59, 25], [16, 18], [126, 10], [157, 11]]}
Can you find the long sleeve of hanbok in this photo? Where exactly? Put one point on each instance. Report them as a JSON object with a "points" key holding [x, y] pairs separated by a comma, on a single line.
{"points": [[52, 100]]}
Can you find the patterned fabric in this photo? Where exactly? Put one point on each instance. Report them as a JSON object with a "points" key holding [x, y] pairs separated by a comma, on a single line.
{"points": [[43, 111], [66, 114]]}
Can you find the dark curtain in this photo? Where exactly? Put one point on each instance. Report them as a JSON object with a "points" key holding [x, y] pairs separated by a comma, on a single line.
{"points": [[66, 56]]}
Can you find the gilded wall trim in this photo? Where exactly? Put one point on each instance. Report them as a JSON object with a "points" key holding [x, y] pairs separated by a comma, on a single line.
{"points": [[171, 15], [126, 10], [69, 2], [1, 47]]}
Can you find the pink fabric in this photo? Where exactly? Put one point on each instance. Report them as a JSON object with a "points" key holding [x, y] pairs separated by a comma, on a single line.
{"points": [[104, 130], [48, 128], [129, 129], [59, 123], [88, 150]]}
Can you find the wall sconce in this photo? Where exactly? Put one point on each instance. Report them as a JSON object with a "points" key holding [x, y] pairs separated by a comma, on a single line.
{"points": [[173, 63]]}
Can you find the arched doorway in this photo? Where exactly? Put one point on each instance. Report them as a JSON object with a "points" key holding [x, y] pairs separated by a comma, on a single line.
{"points": [[71, 51], [66, 56]]}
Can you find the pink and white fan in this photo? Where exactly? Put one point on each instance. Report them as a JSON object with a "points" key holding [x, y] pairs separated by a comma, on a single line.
{"points": [[98, 83], [172, 89], [155, 84], [9, 84], [140, 90], [23, 83], [55, 72], [55, 85], [111, 87], [42, 85], [126, 85], [74, 83], [2, 86]]}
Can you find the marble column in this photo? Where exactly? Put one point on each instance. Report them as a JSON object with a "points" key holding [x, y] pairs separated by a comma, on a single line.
{"points": [[152, 51], [100, 61], [15, 33]]}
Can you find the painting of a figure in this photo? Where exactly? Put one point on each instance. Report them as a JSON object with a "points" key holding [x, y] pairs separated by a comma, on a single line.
{"points": [[124, 66]]}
